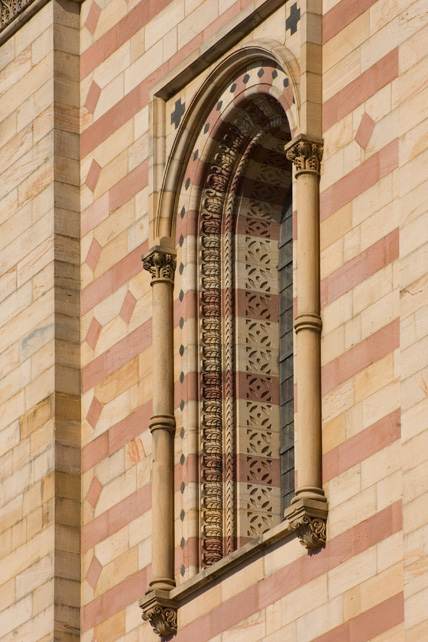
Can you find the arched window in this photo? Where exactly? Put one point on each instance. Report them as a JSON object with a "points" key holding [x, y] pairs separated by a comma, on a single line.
{"points": [[234, 253]]}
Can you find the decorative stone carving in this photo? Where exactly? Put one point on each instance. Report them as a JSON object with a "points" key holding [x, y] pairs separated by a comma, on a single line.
{"points": [[9, 9], [160, 263], [305, 154], [308, 517], [161, 612], [310, 531]]}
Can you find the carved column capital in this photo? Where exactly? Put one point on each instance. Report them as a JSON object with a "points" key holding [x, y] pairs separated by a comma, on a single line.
{"points": [[160, 611], [305, 153], [307, 518], [160, 263]]}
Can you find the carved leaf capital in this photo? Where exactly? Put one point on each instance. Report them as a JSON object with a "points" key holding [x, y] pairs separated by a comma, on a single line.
{"points": [[160, 263], [305, 154]]}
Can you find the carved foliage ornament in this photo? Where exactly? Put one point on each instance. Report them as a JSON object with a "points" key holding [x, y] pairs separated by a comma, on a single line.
{"points": [[216, 219], [305, 155], [162, 618], [9, 9], [311, 531], [160, 264]]}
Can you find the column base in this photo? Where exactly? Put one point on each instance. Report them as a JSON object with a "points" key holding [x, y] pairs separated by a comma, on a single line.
{"points": [[161, 611], [307, 516]]}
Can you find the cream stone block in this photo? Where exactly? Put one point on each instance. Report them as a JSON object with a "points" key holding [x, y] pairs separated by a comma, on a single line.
{"points": [[346, 41], [200, 605], [333, 345], [351, 513], [352, 572], [8, 53], [141, 123], [110, 95], [332, 258], [14, 616], [413, 268], [111, 173], [33, 28], [170, 44], [111, 468], [414, 419], [138, 152], [389, 490], [320, 620], [415, 48], [336, 226], [416, 560], [380, 465], [415, 514], [380, 224], [334, 433], [12, 151], [196, 21], [411, 236], [110, 15], [34, 576], [238, 581], [384, 132], [380, 43], [332, 169], [415, 608], [338, 400], [12, 409], [160, 24], [144, 552], [389, 551], [115, 224], [374, 377], [37, 76], [113, 412], [273, 617], [396, 634], [252, 627], [133, 622], [143, 66], [296, 604], [343, 486], [112, 547], [372, 200], [43, 45], [117, 570], [411, 173], [352, 244], [115, 65], [341, 74], [375, 287], [380, 313], [381, 403], [117, 490], [381, 587]]}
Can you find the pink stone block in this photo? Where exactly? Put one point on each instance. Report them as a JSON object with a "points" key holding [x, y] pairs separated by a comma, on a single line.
{"points": [[92, 97], [128, 307], [93, 175], [94, 572], [93, 254], [94, 412], [94, 492], [93, 15], [93, 333], [364, 131]]}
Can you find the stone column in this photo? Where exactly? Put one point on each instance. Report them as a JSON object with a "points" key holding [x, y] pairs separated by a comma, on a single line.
{"points": [[157, 606], [308, 511]]}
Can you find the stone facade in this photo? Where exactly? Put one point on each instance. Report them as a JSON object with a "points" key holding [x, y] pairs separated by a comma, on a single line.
{"points": [[140, 403]]}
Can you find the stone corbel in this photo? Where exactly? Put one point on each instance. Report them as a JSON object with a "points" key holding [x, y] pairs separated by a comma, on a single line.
{"points": [[160, 611], [307, 513]]}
